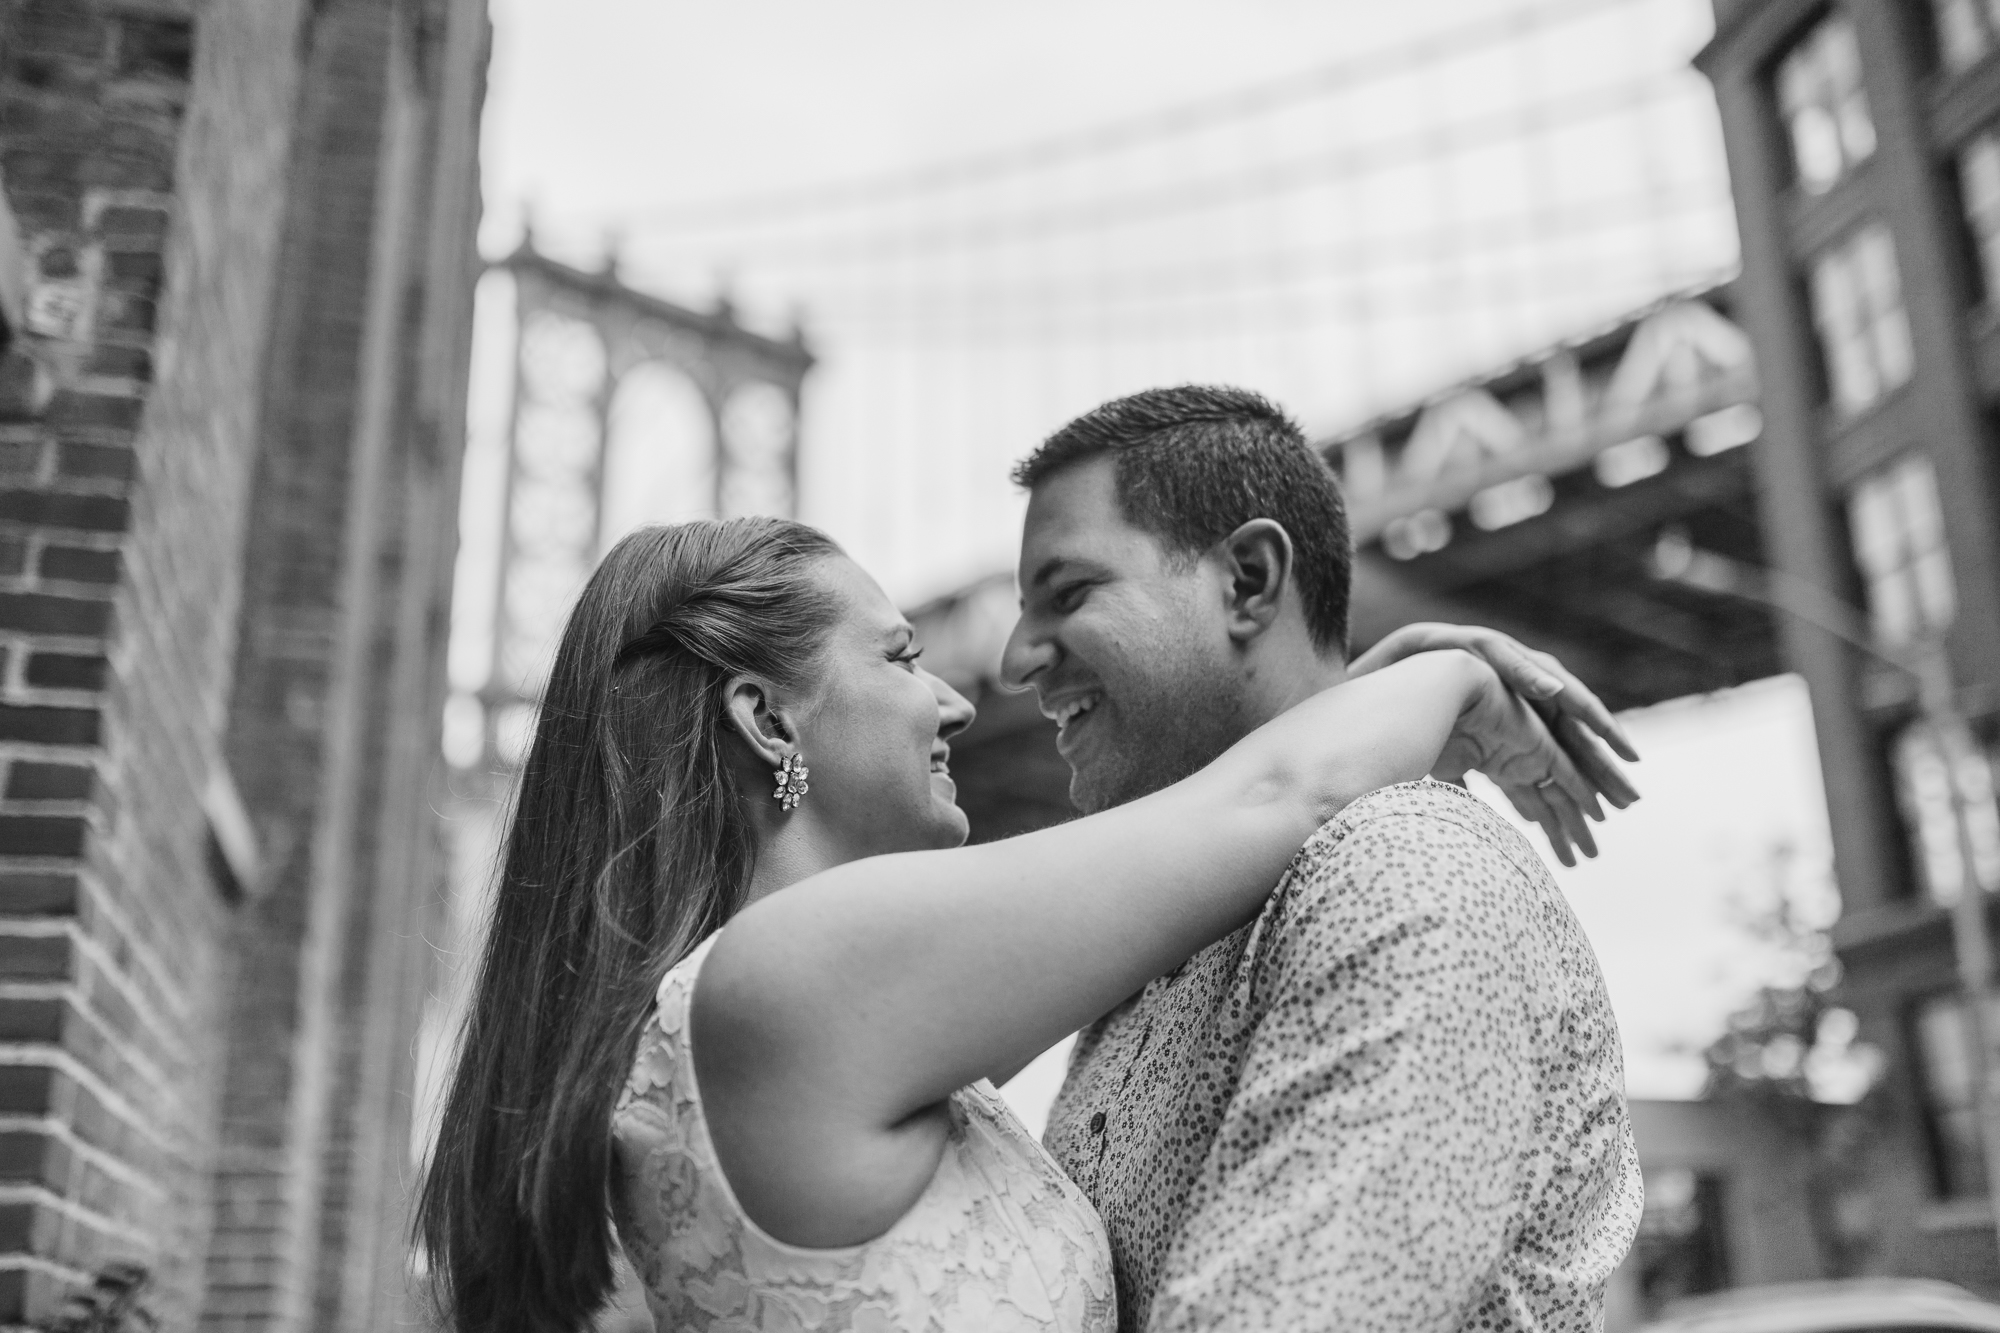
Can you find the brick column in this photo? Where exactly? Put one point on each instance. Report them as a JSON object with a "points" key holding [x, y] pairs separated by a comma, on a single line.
{"points": [[229, 436], [123, 463]]}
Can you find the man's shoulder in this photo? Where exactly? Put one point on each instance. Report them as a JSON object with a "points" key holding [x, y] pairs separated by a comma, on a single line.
{"points": [[1410, 824], [1418, 850]]}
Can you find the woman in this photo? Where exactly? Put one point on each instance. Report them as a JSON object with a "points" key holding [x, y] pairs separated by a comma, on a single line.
{"points": [[793, 1119]]}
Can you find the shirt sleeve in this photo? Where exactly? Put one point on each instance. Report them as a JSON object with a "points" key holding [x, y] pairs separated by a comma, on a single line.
{"points": [[1365, 1172]]}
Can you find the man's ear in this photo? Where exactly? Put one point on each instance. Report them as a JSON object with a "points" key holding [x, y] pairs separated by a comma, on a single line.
{"points": [[1257, 562], [761, 723]]}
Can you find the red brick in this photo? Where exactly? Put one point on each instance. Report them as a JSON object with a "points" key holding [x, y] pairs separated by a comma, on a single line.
{"points": [[108, 461], [35, 957], [55, 509], [131, 223], [78, 564], [13, 556], [124, 312], [49, 726], [32, 1155], [155, 48], [27, 1090], [54, 613], [67, 671], [125, 171], [133, 270], [52, 28], [20, 459], [41, 835], [39, 893], [32, 1020], [70, 408], [40, 168], [60, 261], [132, 363], [17, 1227], [28, 780], [45, 210]]}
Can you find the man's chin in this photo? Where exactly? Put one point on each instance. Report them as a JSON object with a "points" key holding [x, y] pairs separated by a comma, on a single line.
{"points": [[1092, 789]]}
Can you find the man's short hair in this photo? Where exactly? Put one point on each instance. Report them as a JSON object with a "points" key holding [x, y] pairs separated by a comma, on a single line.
{"points": [[1197, 462]]}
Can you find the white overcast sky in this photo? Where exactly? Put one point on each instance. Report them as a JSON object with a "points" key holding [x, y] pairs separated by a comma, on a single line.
{"points": [[606, 113]]}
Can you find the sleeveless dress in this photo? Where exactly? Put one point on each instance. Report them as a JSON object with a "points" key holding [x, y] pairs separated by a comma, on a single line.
{"points": [[1000, 1241]]}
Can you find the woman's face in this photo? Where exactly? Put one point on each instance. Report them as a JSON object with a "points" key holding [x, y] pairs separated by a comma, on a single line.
{"points": [[874, 734]]}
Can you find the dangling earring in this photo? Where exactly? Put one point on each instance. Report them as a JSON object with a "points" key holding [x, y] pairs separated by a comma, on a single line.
{"points": [[791, 782]]}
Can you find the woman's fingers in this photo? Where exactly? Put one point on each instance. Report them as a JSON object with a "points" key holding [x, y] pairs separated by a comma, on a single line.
{"points": [[1529, 672], [1577, 700], [1594, 760], [1567, 793], [1533, 805]]}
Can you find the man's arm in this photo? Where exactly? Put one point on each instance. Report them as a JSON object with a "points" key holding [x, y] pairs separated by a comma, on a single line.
{"points": [[1365, 1172]]}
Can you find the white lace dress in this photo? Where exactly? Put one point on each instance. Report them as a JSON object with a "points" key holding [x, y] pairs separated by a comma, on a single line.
{"points": [[999, 1242]]}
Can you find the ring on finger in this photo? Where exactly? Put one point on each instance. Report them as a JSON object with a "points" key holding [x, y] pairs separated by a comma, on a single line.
{"points": [[1546, 783]]}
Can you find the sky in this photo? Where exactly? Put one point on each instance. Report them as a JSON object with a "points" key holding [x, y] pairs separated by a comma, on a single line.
{"points": [[1420, 192], [1415, 194]]}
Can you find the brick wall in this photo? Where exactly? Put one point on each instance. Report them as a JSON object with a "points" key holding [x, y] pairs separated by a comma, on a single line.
{"points": [[246, 231], [110, 955]]}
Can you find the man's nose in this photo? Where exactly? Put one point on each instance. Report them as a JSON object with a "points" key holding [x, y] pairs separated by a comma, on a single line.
{"points": [[955, 711], [1026, 655]]}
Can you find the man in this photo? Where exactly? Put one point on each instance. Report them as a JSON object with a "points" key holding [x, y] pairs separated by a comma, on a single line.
{"points": [[1395, 1100]]}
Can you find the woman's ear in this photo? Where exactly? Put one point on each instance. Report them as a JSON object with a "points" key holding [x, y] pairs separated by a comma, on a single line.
{"points": [[1257, 559], [758, 720]]}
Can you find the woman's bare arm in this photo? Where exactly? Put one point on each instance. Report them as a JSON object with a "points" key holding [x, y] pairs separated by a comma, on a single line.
{"points": [[833, 1018]]}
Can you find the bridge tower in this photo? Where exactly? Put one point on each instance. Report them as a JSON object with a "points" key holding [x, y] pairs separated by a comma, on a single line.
{"points": [[612, 408], [625, 408]]}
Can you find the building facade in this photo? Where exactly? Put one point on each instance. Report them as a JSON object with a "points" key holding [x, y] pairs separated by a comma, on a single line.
{"points": [[236, 261], [1863, 154]]}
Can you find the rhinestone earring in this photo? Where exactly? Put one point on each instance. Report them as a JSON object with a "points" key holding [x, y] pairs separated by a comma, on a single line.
{"points": [[791, 782]]}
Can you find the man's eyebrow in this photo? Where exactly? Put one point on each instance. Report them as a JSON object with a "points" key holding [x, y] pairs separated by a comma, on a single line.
{"points": [[1054, 565]]}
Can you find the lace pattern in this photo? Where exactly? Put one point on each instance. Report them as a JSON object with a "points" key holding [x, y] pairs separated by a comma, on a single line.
{"points": [[1001, 1240]]}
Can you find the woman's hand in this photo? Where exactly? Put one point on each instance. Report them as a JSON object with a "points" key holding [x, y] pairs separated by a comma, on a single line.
{"points": [[1501, 735], [1571, 711]]}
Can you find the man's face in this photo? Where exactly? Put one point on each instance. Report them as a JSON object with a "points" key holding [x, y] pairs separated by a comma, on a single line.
{"points": [[1124, 642]]}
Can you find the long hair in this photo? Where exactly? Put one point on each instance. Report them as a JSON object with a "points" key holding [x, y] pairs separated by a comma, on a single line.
{"points": [[628, 845]]}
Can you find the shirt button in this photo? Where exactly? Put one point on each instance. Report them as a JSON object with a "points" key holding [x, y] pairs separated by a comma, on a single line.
{"points": [[1097, 1123]]}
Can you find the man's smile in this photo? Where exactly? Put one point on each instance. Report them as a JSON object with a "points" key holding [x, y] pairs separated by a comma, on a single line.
{"points": [[1069, 714]]}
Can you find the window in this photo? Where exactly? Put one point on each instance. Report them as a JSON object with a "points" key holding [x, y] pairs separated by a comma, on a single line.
{"points": [[1979, 187], [1924, 789], [1681, 1249], [1864, 333], [1965, 31], [1899, 545], [1944, 1071], [1824, 105]]}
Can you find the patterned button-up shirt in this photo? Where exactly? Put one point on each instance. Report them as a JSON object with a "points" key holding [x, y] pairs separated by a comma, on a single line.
{"points": [[1394, 1101]]}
